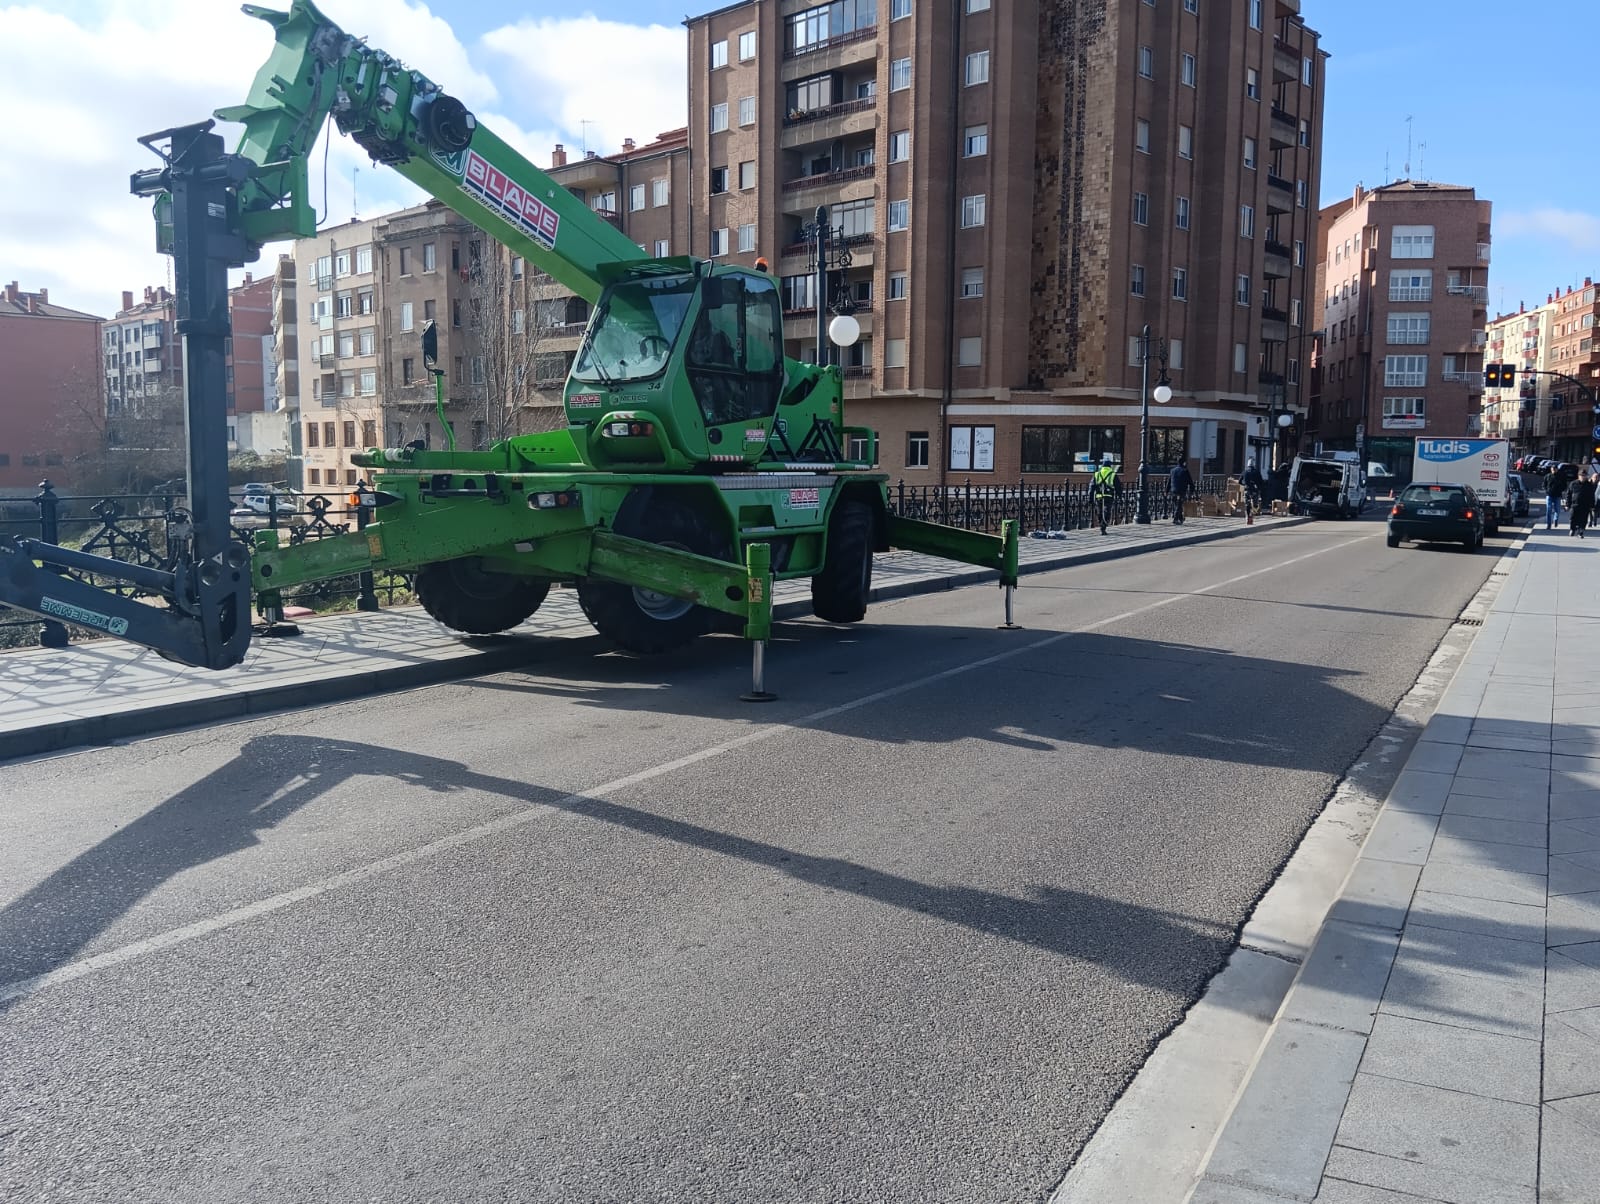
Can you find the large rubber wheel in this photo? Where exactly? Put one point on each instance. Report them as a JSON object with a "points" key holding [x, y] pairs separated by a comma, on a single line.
{"points": [[840, 591], [464, 596], [642, 620], [1469, 544], [1394, 541]]}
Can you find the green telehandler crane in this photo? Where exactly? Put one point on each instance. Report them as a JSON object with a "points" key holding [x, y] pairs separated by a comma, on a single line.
{"points": [[698, 466]]}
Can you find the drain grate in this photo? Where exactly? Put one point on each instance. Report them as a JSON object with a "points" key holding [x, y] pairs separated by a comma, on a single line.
{"points": [[1469, 622]]}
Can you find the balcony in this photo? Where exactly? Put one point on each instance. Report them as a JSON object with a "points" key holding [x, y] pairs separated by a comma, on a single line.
{"points": [[1280, 194], [830, 179], [1284, 130], [589, 172], [830, 54], [1285, 62], [829, 122], [1483, 252], [1274, 325], [1473, 380], [1276, 265]]}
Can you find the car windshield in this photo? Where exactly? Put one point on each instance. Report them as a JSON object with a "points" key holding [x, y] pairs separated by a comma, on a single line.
{"points": [[634, 329], [1434, 494]]}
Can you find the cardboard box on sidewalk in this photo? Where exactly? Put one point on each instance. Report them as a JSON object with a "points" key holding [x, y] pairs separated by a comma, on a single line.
{"points": [[1280, 507], [1193, 508]]}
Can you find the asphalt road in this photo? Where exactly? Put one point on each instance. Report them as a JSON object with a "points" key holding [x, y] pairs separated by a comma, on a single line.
{"points": [[600, 932]]}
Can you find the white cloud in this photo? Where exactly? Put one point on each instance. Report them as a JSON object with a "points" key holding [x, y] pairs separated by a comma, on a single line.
{"points": [[1576, 231], [640, 92], [86, 78]]}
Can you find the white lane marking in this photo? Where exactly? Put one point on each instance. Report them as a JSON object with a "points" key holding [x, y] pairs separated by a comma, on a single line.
{"points": [[239, 915]]}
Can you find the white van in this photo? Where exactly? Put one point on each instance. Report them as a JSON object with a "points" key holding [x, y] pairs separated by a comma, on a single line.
{"points": [[1332, 487]]}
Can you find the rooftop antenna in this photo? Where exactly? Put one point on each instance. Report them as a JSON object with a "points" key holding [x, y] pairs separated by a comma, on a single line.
{"points": [[355, 203], [1386, 178], [1422, 156], [584, 133], [1408, 146]]}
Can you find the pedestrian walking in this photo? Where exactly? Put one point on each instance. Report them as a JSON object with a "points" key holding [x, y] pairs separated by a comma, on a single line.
{"points": [[1251, 480], [1580, 504], [1106, 487], [1182, 487], [1553, 485]]}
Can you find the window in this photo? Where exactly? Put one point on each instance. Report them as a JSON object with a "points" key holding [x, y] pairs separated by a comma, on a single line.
{"points": [[1169, 445], [1306, 72], [1252, 83], [363, 261], [719, 241], [659, 192], [719, 180], [312, 435], [969, 352], [1141, 209], [1411, 284], [1404, 407], [347, 388], [1136, 280], [1247, 221], [894, 353], [430, 310], [899, 215], [899, 146], [663, 248], [477, 369], [975, 142], [747, 237], [367, 341], [799, 292], [1135, 351], [977, 6], [1408, 328], [405, 261], [1293, 375], [897, 286], [519, 321], [364, 301], [747, 110], [1305, 132], [369, 432], [854, 217], [1063, 449], [1238, 357], [719, 117], [1141, 136], [1411, 242], [1181, 215], [1175, 354], [977, 68], [899, 10], [1186, 142], [1186, 72], [971, 282], [1299, 253], [405, 316], [1180, 284], [369, 385], [1250, 153], [518, 267], [899, 75], [636, 198], [973, 210], [1191, 6], [341, 263], [916, 449], [747, 46], [719, 54], [1296, 311], [347, 344], [972, 448], [1255, 14], [1147, 62], [314, 475], [1405, 371], [747, 174], [1241, 291], [1300, 193]]}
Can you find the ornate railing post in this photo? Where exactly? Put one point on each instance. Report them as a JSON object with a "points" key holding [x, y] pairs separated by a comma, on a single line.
{"points": [[51, 633], [368, 597]]}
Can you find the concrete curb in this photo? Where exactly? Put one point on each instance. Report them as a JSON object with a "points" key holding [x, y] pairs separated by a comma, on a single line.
{"points": [[472, 660], [1279, 1130]]}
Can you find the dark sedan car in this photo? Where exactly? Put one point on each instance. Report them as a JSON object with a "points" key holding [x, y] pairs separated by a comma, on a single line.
{"points": [[1516, 495], [1437, 514]]}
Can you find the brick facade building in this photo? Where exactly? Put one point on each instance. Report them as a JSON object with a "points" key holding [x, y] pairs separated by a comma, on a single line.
{"points": [[51, 405]]}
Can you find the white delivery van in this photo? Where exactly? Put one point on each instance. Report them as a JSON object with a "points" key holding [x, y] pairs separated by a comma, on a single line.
{"points": [[1479, 464], [1331, 486]]}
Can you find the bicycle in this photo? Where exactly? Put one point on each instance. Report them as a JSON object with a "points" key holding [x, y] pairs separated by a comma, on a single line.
{"points": [[1252, 503]]}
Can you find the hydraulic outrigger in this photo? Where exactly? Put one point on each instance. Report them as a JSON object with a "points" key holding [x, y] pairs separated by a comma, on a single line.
{"points": [[697, 468]]}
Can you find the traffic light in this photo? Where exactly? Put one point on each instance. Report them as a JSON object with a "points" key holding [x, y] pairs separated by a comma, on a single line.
{"points": [[1508, 376], [1491, 376]]}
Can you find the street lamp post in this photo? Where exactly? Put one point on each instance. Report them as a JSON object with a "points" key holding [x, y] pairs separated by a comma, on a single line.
{"points": [[830, 254], [1163, 394]]}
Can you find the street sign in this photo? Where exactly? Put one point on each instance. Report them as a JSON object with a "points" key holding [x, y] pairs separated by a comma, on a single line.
{"points": [[1597, 432]]}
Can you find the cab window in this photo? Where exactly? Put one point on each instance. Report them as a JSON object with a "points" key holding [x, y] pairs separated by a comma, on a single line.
{"points": [[735, 357]]}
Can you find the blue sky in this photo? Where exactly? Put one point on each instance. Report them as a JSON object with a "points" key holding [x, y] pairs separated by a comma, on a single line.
{"points": [[1499, 97]]}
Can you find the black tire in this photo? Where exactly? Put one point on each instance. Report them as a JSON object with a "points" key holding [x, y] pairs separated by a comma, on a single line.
{"points": [[839, 593], [643, 621], [1394, 541], [464, 596], [1469, 544]]}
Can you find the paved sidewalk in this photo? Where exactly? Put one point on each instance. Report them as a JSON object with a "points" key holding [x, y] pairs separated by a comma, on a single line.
{"points": [[1442, 1040], [106, 690]]}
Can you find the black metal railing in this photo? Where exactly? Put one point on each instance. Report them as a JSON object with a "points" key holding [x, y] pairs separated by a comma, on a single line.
{"points": [[1036, 508], [138, 529]]}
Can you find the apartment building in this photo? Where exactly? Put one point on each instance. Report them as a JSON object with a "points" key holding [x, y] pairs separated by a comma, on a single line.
{"points": [[1573, 316], [286, 366], [1522, 412], [143, 354], [1402, 294], [1022, 189], [52, 402]]}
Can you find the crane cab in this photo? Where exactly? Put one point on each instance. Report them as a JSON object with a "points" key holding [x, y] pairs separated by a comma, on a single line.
{"points": [[681, 366]]}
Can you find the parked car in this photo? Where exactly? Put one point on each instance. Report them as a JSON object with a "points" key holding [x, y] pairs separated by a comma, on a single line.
{"points": [[269, 501], [1437, 514], [1518, 489]]}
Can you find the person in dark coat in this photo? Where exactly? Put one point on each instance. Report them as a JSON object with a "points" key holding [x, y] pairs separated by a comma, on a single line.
{"points": [[1553, 485], [1182, 487], [1580, 504]]}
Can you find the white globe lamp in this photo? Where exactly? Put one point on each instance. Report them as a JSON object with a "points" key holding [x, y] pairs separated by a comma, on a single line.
{"points": [[1162, 394], [844, 330]]}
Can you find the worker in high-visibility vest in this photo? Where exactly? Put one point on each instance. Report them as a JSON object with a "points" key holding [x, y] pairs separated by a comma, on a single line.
{"points": [[1105, 488]]}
